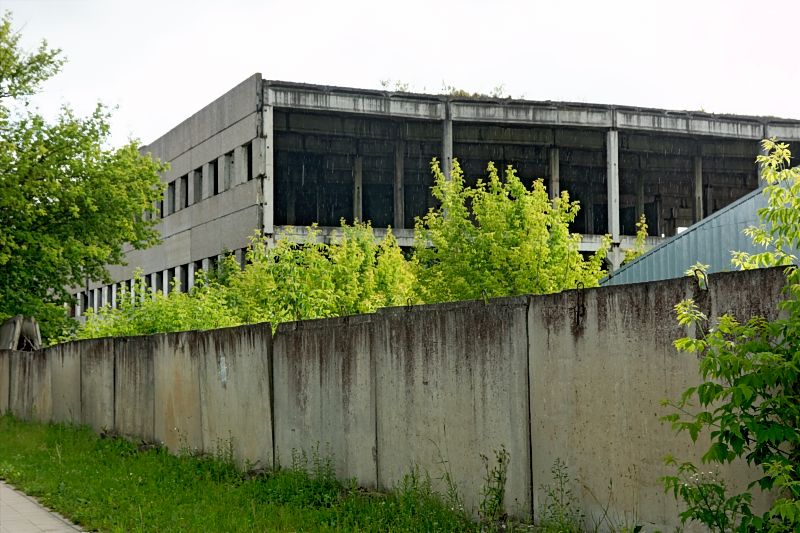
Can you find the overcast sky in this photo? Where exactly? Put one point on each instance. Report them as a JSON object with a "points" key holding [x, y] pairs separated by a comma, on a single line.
{"points": [[160, 61]]}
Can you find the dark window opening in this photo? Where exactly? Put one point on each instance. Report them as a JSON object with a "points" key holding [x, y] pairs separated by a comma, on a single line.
{"points": [[248, 154], [170, 198], [159, 282], [184, 278], [214, 176]]}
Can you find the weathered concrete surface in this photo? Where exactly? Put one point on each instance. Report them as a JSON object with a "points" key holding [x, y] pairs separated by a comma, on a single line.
{"points": [[324, 393], [235, 391], [451, 384], [4, 376], [578, 376], [65, 378], [178, 414], [601, 361], [29, 386], [97, 383], [134, 387]]}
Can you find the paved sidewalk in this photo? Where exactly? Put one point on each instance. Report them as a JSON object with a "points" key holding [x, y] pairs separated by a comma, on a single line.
{"points": [[22, 514]]}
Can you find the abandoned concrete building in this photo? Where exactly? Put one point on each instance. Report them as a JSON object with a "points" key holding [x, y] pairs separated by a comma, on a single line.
{"points": [[275, 157]]}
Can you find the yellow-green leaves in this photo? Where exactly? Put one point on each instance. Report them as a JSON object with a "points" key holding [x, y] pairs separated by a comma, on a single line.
{"points": [[499, 238]]}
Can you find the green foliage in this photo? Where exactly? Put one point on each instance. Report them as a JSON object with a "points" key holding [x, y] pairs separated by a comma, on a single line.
{"points": [[639, 245], [285, 282], [492, 507], [750, 397], [498, 238], [110, 484], [495, 239], [144, 313], [779, 232], [560, 511], [21, 73], [67, 203]]}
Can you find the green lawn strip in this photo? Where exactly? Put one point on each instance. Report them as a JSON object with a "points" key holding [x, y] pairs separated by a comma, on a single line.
{"points": [[107, 484]]}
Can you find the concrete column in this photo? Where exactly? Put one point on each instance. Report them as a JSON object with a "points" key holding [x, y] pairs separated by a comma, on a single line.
{"points": [[153, 283], [698, 188], [179, 185], [399, 189], [555, 187], [639, 195], [615, 257], [190, 282], [447, 142], [114, 295], [223, 171], [239, 166], [165, 282], [266, 159], [761, 151], [95, 299], [190, 188], [206, 263], [358, 213], [612, 180], [659, 222], [208, 176]]}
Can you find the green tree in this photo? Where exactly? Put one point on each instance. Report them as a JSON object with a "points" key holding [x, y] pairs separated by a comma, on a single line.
{"points": [[640, 244], [749, 400], [68, 203], [499, 238]]}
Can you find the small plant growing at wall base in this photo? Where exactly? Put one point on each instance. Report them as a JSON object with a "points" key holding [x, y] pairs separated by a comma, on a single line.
{"points": [[492, 509], [560, 512]]}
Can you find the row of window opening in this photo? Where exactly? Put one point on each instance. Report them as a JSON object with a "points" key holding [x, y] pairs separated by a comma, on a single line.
{"points": [[180, 278], [205, 182]]}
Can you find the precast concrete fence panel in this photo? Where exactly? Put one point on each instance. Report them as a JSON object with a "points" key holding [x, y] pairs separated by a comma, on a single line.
{"points": [[578, 377], [325, 393]]}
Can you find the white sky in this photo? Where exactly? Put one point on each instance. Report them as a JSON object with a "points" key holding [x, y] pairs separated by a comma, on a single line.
{"points": [[160, 61]]}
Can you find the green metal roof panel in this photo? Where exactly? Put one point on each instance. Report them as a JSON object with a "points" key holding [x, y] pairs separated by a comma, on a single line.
{"points": [[710, 241]]}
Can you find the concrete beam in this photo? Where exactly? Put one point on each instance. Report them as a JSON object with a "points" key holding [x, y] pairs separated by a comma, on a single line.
{"points": [[358, 102], [612, 179], [546, 113]]}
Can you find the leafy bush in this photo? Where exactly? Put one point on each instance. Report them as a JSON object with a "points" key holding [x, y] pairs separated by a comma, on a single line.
{"points": [[499, 238], [495, 239], [750, 397]]}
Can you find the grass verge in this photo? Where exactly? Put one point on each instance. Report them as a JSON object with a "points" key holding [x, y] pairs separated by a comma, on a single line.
{"points": [[110, 484]]}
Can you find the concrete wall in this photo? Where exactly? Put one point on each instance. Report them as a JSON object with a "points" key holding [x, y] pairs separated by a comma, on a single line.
{"points": [[577, 376], [451, 385]]}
